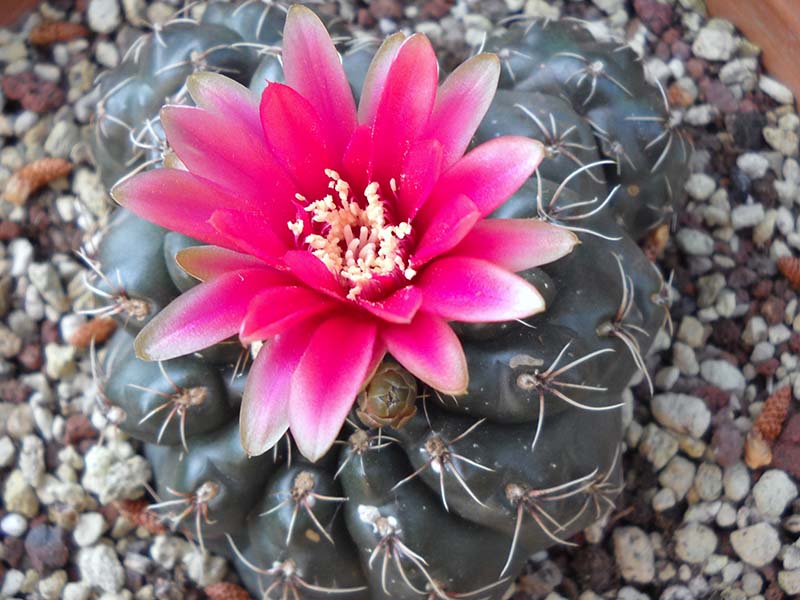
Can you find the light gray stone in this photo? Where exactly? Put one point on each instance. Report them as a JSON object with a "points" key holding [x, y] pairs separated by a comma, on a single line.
{"points": [[775, 90], [104, 16], [100, 568], [700, 186], [89, 528], [691, 331], [747, 215], [695, 242], [678, 476], [694, 543], [62, 138], [681, 413], [714, 44], [634, 554], [757, 545], [784, 141], [722, 374], [773, 492], [789, 581], [708, 481], [658, 446]]}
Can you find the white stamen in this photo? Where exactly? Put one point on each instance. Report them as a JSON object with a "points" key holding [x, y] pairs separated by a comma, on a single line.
{"points": [[355, 243]]}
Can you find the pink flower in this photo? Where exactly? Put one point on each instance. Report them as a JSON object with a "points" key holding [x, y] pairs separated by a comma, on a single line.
{"points": [[338, 234]]}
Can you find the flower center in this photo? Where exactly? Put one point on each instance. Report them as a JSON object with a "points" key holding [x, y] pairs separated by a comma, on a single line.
{"points": [[353, 238]]}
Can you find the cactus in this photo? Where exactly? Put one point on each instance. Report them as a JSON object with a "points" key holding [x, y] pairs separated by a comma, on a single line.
{"points": [[435, 486]]}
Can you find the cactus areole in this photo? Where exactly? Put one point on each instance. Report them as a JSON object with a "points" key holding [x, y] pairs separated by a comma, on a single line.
{"points": [[438, 279]]}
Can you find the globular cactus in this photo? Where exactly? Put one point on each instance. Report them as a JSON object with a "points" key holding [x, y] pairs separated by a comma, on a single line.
{"points": [[426, 492]]}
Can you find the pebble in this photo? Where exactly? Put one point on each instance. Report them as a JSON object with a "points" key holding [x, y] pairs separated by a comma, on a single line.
{"points": [[789, 581], [722, 374], [678, 476], [726, 516], [775, 90], [100, 568], [695, 242], [691, 331], [713, 43], [773, 492], [757, 545], [784, 141], [50, 587], [89, 528], [166, 550], [684, 357], [7, 451], [755, 331], [31, 460], [633, 551], [700, 186], [59, 361], [104, 16], [62, 138], [753, 164], [46, 547], [115, 473], [14, 524], [18, 495], [76, 590], [747, 215], [205, 569], [694, 543], [681, 413], [658, 446], [13, 580], [708, 481]]}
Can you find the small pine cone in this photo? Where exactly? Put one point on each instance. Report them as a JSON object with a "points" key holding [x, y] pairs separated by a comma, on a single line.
{"points": [[56, 31], [33, 176], [770, 422], [137, 512], [790, 267], [99, 330], [226, 591]]}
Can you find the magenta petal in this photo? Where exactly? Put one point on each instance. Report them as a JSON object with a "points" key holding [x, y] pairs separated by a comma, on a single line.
{"points": [[490, 173], [236, 159], [205, 262], [469, 289], [264, 416], [405, 105], [217, 93], [251, 234], [430, 350], [298, 139], [461, 103], [204, 315], [176, 200], [444, 229], [325, 384], [312, 271], [375, 79], [421, 168], [358, 159], [517, 244], [400, 307], [275, 310], [312, 66]]}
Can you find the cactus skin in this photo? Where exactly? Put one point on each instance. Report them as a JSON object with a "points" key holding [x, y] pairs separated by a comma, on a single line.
{"points": [[453, 501]]}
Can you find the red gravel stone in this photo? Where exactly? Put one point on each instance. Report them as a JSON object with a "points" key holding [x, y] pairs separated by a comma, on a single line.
{"points": [[78, 428], [31, 357], [655, 15], [787, 458], [14, 391], [773, 309]]}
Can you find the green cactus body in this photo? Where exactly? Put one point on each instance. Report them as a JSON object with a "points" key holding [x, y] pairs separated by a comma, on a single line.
{"points": [[449, 498]]}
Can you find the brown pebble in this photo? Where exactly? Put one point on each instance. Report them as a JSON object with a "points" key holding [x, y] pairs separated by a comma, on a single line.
{"points": [[773, 309], [99, 330], [31, 357], [14, 391], [51, 32], [226, 591], [727, 443], [78, 427], [656, 15]]}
